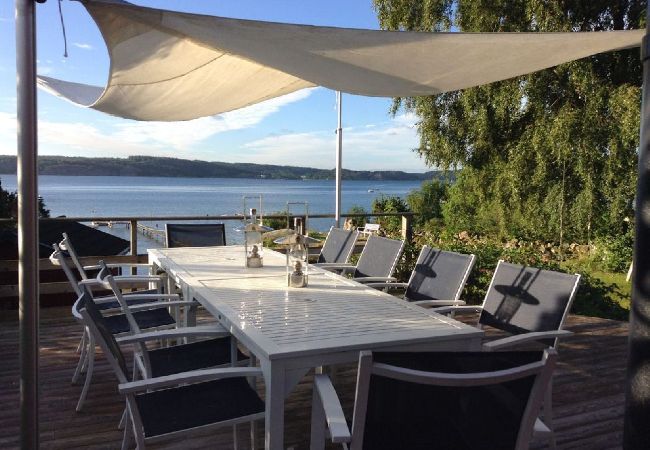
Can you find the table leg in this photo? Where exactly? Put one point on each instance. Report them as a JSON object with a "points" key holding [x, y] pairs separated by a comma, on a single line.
{"points": [[274, 377]]}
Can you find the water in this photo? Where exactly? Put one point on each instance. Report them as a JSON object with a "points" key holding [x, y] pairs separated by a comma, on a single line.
{"points": [[96, 196]]}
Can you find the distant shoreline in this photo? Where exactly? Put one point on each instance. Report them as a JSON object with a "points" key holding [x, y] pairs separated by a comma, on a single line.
{"points": [[146, 166]]}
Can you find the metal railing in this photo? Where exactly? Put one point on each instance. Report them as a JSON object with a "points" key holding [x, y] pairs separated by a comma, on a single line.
{"points": [[63, 287]]}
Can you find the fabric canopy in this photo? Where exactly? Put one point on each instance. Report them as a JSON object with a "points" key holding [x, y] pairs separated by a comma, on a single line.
{"points": [[168, 66]]}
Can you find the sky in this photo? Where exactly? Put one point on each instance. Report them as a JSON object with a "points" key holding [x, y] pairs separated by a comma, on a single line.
{"points": [[296, 129]]}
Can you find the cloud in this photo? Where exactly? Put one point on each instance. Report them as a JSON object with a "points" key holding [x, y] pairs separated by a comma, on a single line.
{"points": [[76, 138], [83, 46], [184, 135], [385, 146], [139, 138]]}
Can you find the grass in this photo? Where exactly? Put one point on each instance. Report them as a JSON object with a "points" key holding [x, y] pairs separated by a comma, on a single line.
{"points": [[601, 294]]}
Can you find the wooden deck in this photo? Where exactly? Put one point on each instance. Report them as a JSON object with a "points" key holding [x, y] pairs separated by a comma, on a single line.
{"points": [[588, 395]]}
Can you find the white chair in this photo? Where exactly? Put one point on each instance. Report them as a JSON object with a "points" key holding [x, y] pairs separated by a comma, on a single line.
{"points": [[195, 234], [338, 246], [179, 403], [531, 304], [377, 261], [455, 400], [369, 229], [438, 278], [148, 319]]}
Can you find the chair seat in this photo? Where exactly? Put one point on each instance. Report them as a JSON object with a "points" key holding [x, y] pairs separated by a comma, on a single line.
{"points": [[169, 410], [115, 304], [193, 356], [151, 318]]}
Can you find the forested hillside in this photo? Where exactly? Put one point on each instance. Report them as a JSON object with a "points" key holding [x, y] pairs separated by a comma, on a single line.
{"points": [[147, 166]]}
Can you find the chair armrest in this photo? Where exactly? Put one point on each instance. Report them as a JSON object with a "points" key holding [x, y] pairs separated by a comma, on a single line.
{"points": [[386, 285], [450, 309], [336, 423], [211, 331], [518, 339], [116, 265], [335, 265], [431, 303], [152, 297], [194, 376], [155, 305], [374, 279], [90, 282], [138, 279]]}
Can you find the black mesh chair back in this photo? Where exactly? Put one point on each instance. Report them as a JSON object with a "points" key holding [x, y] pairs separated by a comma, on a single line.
{"points": [[195, 234], [379, 257], [524, 299], [338, 246], [96, 322], [409, 415], [438, 275]]}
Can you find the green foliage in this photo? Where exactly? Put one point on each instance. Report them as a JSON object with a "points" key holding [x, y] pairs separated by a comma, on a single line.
{"points": [[357, 221], [427, 201], [276, 223], [389, 204], [614, 254], [549, 155]]}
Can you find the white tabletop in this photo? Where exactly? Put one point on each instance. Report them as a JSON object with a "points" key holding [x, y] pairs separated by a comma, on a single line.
{"points": [[333, 314]]}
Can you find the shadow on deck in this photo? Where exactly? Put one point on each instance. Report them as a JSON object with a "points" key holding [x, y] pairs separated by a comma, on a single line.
{"points": [[588, 394]]}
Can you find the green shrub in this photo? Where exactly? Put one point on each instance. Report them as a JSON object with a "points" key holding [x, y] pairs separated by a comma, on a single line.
{"points": [[427, 201], [614, 253], [389, 204], [358, 221]]}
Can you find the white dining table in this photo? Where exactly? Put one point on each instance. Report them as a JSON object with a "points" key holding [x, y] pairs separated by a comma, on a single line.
{"points": [[292, 330]]}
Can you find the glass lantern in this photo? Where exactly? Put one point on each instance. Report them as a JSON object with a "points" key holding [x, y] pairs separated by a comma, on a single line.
{"points": [[253, 244], [253, 229], [297, 260]]}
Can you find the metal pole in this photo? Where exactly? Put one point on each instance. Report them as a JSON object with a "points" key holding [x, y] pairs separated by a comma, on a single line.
{"points": [[27, 220], [636, 433], [339, 160]]}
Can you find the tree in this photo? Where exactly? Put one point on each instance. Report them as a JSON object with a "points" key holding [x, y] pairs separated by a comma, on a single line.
{"points": [[549, 155], [389, 204], [427, 201], [9, 204]]}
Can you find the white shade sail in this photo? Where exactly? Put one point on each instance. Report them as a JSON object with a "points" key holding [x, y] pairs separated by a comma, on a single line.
{"points": [[168, 66]]}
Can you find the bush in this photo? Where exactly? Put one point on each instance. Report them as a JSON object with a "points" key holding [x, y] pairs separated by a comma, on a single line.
{"points": [[357, 221], [427, 201], [389, 204], [614, 253]]}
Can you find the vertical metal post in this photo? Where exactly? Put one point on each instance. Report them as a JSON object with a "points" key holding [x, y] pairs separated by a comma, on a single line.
{"points": [[636, 433], [134, 244], [339, 160], [27, 220]]}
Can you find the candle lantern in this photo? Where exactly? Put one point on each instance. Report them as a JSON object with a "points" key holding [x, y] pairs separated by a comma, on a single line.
{"points": [[297, 247], [297, 260], [253, 242]]}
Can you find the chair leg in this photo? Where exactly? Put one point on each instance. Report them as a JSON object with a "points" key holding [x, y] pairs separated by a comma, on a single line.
{"points": [[317, 435], [122, 424], [89, 373], [548, 415], [253, 435], [83, 355], [82, 341], [235, 443], [128, 430]]}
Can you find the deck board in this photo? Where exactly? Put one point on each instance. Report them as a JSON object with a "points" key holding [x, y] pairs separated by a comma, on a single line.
{"points": [[588, 394]]}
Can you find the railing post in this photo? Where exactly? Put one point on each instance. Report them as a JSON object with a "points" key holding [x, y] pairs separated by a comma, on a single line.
{"points": [[407, 228], [134, 243]]}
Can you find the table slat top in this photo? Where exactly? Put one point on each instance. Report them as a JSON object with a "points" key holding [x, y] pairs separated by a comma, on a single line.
{"points": [[331, 314]]}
